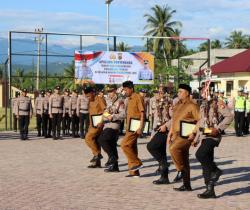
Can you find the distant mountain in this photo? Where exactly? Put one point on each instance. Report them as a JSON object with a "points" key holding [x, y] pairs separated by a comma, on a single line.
{"points": [[29, 46]]}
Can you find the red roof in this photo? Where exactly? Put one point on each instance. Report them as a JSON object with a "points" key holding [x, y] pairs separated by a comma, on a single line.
{"points": [[236, 63]]}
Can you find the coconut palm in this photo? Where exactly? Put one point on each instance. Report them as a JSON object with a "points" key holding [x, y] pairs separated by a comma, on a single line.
{"points": [[122, 47], [236, 40], [160, 24]]}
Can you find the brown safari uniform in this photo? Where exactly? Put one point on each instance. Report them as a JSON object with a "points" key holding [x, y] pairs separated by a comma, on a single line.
{"points": [[179, 148], [95, 107], [135, 106]]}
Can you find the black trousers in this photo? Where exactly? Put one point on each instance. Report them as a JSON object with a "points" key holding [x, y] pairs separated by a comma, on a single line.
{"points": [[66, 123], [239, 122], [75, 124], [14, 122], [246, 124], [24, 125], [108, 141], [39, 124], [157, 147], [47, 124], [84, 122], [205, 155], [56, 124]]}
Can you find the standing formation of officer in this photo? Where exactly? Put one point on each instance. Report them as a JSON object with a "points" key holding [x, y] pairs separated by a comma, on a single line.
{"points": [[38, 110], [24, 113], [14, 107]]}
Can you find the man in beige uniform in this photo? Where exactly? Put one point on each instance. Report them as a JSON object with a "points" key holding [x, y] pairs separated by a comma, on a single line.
{"points": [[66, 118], [113, 115], [56, 112], [73, 113], [47, 121], [184, 110], [134, 109], [14, 108], [38, 112], [97, 106], [24, 113]]}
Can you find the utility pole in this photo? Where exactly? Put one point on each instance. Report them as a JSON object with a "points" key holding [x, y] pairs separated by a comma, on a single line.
{"points": [[108, 2], [39, 40]]}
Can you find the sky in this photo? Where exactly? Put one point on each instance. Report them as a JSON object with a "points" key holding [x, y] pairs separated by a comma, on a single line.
{"points": [[213, 19]]}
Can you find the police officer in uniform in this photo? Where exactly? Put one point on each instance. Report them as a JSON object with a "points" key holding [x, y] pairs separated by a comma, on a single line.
{"points": [[152, 107], [239, 113], [83, 113], [97, 106], [66, 117], [134, 109], [247, 114], [215, 117], [38, 109], [24, 113], [184, 110], [157, 145], [56, 112], [46, 120], [73, 114], [112, 117], [14, 108]]}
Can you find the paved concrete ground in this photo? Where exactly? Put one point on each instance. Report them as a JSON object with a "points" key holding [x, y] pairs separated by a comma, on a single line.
{"points": [[47, 174]]}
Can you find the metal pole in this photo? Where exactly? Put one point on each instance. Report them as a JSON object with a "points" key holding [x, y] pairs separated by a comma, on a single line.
{"points": [[114, 43], [46, 60], [108, 26], [80, 42], [6, 92], [10, 80], [208, 53], [38, 62]]}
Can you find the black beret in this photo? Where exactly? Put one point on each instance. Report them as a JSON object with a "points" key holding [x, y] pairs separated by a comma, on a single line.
{"points": [[49, 91], [42, 92], [67, 90], [128, 84], [185, 87], [25, 90], [88, 89], [57, 87]]}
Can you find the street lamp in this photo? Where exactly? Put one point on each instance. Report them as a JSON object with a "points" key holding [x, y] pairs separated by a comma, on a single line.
{"points": [[108, 2]]}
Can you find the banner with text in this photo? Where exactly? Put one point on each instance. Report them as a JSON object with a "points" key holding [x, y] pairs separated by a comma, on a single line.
{"points": [[103, 67]]}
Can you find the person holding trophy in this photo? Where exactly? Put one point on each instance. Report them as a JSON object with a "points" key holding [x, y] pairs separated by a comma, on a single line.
{"points": [[112, 117], [215, 118], [157, 145]]}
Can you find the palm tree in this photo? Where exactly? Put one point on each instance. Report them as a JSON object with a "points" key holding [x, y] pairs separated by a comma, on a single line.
{"points": [[236, 40], [160, 24], [215, 44], [122, 47], [69, 74]]}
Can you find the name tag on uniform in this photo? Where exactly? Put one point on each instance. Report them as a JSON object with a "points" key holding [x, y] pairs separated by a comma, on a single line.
{"points": [[186, 128], [96, 119], [134, 125]]}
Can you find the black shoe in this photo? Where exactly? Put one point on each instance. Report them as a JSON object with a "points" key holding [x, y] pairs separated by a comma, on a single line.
{"points": [[133, 176], [183, 188], [112, 168], [54, 138], [108, 163], [162, 180], [95, 158], [96, 164], [136, 168], [60, 137], [216, 175], [39, 135], [49, 136], [178, 176], [209, 193]]}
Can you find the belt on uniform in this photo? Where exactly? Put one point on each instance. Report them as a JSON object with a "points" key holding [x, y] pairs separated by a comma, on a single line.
{"points": [[58, 107], [24, 110], [38, 109], [116, 121], [84, 109]]}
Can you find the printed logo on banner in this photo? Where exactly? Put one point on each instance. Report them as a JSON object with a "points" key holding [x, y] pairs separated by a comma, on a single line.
{"points": [[113, 67]]}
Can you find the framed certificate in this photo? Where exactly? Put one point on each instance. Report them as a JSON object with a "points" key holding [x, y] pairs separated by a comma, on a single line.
{"points": [[186, 128], [134, 125], [96, 119]]}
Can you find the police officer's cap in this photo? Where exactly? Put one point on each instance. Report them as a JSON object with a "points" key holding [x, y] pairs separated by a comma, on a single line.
{"points": [[42, 92], [17, 93], [240, 90], [88, 89], [57, 87], [222, 91], [49, 91], [155, 91], [24, 90], [111, 88], [67, 90], [75, 91], [128, 84], [142, 90], [185, 87]]}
